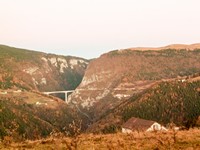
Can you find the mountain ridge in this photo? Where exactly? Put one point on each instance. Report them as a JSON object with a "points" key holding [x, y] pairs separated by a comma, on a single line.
{"points": [[171, 46], [117, 75], [42, 71]]}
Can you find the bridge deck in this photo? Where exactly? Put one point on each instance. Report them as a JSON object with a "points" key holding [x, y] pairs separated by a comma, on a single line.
{"points": [[54, 92]]}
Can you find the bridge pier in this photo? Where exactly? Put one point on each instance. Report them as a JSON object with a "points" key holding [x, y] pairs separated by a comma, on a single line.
{"points": [[66, 97]]}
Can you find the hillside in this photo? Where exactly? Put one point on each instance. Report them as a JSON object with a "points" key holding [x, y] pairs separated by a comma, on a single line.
{"points": [[25, 113], [39, 71], [166, 102], [28, 115], [118, 75]]}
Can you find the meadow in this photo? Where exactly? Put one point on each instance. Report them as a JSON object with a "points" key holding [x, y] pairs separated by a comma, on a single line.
{"points": [[187, 139]]}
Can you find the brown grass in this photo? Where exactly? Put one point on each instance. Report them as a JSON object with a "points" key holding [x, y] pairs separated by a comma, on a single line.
{"points": [[135, 141]]}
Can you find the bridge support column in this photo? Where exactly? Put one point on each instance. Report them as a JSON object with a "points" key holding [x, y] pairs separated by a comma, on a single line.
{"points": [[66, 97]]}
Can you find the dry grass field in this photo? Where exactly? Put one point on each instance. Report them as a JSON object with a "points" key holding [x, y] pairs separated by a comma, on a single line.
{"points": [[189, 140]]}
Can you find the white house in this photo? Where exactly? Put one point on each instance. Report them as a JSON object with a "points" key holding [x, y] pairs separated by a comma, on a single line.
{"points": [[137, 124]]}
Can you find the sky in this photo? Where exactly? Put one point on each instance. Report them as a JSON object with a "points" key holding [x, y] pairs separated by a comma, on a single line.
{"points": [[89, 28]]}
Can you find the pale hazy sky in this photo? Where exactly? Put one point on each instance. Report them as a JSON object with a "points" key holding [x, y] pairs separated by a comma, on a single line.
{"points": [[88, 28]]}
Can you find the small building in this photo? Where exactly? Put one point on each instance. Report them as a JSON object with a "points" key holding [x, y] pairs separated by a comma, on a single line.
{"points": [[137, 124], [3, 92]]}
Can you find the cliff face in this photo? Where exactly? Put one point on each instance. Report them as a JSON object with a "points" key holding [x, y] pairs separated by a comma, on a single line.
{"points": [[118, 75], [40, 71]]}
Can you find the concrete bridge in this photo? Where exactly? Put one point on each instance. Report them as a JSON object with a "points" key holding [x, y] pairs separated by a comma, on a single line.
{"points": [[57, 92]]}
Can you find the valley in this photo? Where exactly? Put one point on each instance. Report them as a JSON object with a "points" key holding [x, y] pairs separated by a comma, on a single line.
{"points": [[153, 84]]}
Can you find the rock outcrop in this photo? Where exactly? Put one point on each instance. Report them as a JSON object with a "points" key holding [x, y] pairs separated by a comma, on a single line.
{"points": [[41, 71], [116, 76]]}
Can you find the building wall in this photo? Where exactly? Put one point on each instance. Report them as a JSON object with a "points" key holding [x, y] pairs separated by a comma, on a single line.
{"points": [[156, 127], [124, 130]]}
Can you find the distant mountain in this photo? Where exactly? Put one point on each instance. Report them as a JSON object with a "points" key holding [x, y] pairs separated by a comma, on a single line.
{"points": [[174, 101], [173, 46], [39, 71], [118, 75]]}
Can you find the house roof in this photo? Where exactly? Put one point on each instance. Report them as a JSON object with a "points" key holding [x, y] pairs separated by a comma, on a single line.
{"points": [[138, 124]]}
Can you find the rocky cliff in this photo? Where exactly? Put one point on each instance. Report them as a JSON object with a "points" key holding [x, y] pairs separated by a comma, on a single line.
{"points": [[39, 71], [116, 76]]}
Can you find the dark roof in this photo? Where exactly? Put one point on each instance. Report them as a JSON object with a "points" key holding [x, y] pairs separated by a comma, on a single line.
{"points": [[138, 124]]}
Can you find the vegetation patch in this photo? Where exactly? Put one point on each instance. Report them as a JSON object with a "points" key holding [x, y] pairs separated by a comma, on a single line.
{"points": [[175, 102]]}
